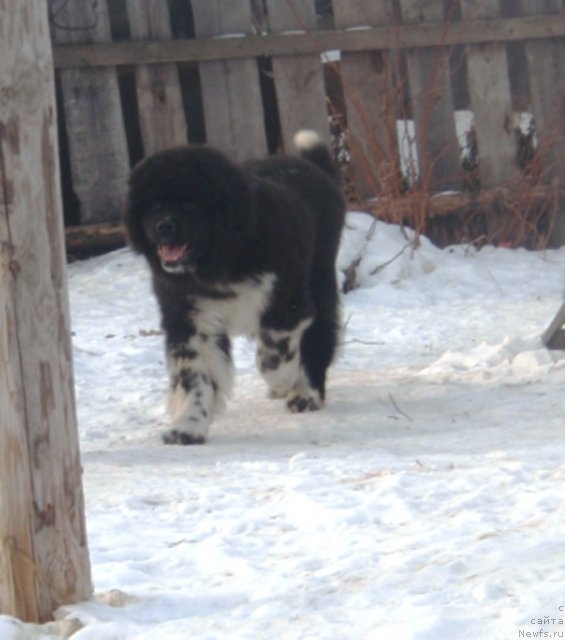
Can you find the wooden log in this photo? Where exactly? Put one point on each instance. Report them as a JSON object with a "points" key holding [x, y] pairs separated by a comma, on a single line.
{"points": [[93, 116], [161, 112], [299, 79], [545, 61], [432, 102], [43, 549], [91, 239], [87, 240], [369, 101], [425, 205], [419, 35], [97, 238], [231, 94]]}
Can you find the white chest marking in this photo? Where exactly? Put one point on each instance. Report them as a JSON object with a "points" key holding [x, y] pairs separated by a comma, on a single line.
{"points": [[238, 314]]}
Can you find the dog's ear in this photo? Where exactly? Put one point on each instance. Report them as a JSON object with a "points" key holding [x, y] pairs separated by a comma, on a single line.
{"points": [[143, 190]]}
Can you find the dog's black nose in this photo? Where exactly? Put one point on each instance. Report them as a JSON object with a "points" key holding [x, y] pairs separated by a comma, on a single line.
{"points": [[166, 231]]}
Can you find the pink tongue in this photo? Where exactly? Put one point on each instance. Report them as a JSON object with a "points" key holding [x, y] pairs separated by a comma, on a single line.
{"points": [[170, 253]]}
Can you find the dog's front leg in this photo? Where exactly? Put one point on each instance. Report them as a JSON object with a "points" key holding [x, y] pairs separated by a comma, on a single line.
{"points": [[200, 372]]}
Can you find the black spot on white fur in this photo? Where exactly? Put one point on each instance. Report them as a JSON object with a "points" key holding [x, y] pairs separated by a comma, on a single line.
{"points": [[247, 250]]}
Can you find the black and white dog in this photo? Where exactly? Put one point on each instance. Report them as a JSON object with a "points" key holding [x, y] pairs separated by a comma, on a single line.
{"points": [[240, 250]]}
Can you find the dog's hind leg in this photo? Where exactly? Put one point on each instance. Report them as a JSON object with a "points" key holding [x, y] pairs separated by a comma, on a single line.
{"points": [[278, 358], [294, 363], [201, 373], [318, 345]]}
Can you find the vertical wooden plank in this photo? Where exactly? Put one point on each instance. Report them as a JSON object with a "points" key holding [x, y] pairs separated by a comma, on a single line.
{"points": [[546, 64], [545, 59], [231, 93], [491, 100], [43, 553], [299, 79], [161, 112], [432, 103], [93, 114], [369, 101]]}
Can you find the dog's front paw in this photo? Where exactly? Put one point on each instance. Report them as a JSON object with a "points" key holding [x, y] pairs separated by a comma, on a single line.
{"points": [[300, 402], [186, 431], [174, 436], [277, 394]]}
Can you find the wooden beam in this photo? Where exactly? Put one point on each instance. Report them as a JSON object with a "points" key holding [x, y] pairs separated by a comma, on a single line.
{"points": [[370, 39], [90, 239], [398, 210], [43, 550]]}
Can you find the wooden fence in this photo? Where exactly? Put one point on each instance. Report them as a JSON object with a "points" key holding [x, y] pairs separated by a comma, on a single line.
{"points": [[387, 82]]}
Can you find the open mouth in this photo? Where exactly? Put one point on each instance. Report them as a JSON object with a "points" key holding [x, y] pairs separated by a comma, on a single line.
{"points": [[173, 257]]}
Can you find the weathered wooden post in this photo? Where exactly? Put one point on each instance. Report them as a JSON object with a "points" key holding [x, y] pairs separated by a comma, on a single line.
{"points": [[43, 551]]}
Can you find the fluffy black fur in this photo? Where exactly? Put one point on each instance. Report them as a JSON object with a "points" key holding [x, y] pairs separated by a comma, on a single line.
{"points": [[240, 250]]}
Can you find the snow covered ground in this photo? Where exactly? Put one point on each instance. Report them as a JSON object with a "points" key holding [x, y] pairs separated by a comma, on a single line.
{"points": [[424, 503]]}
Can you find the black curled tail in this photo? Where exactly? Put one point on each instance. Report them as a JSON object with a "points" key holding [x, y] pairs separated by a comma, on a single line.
{"points": [[311, 146]]}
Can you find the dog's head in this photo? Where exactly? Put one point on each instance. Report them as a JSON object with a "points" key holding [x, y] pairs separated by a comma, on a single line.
{"points": [[188, 210]]}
